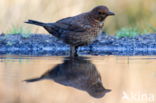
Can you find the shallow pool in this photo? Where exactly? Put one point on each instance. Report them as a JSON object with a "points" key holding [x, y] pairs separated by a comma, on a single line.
{"points": [[92, 79]]}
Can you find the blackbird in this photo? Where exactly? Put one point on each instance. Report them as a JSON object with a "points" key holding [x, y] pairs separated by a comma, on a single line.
{"points": [[78, 30], [79, 73]]}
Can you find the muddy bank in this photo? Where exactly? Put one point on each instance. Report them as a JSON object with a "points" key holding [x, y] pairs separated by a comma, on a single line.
{"points": [[41, 45]]}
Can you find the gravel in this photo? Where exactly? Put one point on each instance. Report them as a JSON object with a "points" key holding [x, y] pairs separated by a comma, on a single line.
{"points": [[47, 45]]}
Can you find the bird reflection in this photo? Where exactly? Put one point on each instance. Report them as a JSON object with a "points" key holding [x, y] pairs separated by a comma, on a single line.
{"points": [[79, 73]]}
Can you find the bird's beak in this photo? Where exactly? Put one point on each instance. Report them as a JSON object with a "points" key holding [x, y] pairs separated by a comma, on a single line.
{"points": [[108, 90], [110, 13]]}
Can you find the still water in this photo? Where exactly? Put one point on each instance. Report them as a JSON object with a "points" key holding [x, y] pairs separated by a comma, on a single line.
{"points": [[101, 79]]}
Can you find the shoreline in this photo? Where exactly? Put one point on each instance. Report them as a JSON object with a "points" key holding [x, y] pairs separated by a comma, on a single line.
{"points": [[48, 45]]}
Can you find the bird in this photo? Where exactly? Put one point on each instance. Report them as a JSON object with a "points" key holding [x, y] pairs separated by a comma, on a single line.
{"points": [[79, 30], [79, 73]]}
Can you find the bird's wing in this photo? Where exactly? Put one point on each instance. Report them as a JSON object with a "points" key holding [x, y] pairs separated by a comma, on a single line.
{"points": [[72, 24]]}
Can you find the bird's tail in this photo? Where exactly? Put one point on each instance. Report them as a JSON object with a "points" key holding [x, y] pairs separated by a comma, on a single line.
{"points": [[35, 22]]}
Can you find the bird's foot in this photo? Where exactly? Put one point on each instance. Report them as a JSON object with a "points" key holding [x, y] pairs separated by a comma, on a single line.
{"points": [[74, 55]]}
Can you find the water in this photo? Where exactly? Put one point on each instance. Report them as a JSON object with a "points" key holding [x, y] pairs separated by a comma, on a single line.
{"points": [[101, 79]]}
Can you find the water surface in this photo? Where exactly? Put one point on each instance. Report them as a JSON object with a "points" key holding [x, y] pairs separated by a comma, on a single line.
{"points": [[94, 79]]}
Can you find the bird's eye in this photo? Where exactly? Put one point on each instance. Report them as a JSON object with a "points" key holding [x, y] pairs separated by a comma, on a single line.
{"points": [[100, 13]]}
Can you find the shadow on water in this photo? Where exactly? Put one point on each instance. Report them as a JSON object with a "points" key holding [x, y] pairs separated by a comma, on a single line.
{"points": [[79, 73]]}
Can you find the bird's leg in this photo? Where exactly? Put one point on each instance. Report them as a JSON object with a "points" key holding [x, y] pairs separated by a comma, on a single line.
{"points": [[75, 54], [72, 51]]}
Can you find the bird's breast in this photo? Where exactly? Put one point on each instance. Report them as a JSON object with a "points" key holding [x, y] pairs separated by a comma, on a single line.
{"points": [[101, 24], [96, 29]]}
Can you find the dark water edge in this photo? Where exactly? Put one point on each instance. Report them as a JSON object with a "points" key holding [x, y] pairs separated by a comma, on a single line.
{"points": [[47, 45]]}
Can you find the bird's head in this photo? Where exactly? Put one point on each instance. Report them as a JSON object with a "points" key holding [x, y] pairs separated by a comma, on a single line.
{"points": [[97, 90], [99, 13]]}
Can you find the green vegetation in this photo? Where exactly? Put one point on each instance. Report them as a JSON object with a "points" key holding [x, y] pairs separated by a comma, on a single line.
{"points": [[123, 32], [134, 31], [153, 29], [128, 32], [20, 30]]}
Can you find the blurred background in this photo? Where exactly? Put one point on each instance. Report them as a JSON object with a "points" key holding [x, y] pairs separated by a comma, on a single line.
{"points": [[129, 13]]}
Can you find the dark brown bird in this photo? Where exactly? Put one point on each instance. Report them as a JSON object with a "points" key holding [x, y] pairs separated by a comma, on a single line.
{"points": [[78, 30], [78, 73]]}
